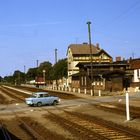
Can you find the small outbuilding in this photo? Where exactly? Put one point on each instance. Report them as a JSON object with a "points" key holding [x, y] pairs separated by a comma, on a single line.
{"points": [[106, 76]]}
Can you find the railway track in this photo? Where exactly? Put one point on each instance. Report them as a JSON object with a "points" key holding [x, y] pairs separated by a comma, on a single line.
{"points": [[27, 128], [80, 126], [54, 93], [16, 95], [90, 127], [3, 99], [119, 109], [21, 130], [110, 107], [4, 134]]}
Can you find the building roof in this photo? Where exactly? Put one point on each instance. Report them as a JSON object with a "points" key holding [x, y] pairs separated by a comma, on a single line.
{"points": [[135, 63], [102, 64], [84, 49], [39, 80]]}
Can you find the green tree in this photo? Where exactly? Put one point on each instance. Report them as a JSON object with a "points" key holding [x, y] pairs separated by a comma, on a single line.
{"points": [[19, 77], [1, 79], [8, 79], [31, 74], [60, 69], [47, 66]]}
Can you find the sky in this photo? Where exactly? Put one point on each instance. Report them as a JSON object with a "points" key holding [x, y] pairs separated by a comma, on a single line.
{"points": [[31, 30]]}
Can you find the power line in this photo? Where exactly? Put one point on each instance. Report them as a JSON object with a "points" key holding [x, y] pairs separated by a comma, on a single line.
{"points": [[122, 15], [125, 14]]}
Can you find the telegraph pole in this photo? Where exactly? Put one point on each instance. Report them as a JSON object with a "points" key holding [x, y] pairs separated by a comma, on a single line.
{"points": [[37, 61], [25, 74], [24, 69], [55, 63], [91, 59], [55, 55]]}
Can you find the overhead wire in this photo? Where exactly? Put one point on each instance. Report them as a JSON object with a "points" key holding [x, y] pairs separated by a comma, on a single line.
{"points": [[127, 11]]}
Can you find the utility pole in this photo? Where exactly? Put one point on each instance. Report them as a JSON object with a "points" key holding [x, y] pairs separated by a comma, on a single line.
{"points": [[91, 59], [55, 63], [19, 82], [24, 69], [37, 61], [55, 55], [25, 74], [36, 78]]}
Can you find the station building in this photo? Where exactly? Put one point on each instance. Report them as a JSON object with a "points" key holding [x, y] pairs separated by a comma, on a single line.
{"points": [[78, 53]]}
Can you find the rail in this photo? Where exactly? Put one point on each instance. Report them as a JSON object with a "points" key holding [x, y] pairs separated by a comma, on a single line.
{"points": [[4, 132]]}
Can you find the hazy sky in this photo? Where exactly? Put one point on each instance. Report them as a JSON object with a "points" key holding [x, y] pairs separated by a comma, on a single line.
{"points": [[30, 30]]}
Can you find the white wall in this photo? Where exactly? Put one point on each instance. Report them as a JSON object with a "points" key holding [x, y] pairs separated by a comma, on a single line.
{"points": [[136, 78]]}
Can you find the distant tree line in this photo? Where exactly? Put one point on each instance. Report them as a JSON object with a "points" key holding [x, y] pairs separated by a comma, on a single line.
{"points": [[52, 72]]}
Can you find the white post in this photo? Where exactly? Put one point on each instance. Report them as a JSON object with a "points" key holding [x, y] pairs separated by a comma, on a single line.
{"points": [[127, 107], [99, 92], [85, 91], [91, 92], [78, 90]]}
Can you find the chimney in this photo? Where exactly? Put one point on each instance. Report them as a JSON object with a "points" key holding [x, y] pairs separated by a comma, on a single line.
{"points": [[97, 46], [118, 58]]}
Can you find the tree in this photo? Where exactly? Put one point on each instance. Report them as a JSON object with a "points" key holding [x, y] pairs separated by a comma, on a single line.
{"points": [[60, 69], [31, 74], [8, 79], [1, 79], [47, 66], [19, 77]]}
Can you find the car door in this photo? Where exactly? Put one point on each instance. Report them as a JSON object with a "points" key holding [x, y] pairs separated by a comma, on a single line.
{"points": [[47, 99], [41, 98]]}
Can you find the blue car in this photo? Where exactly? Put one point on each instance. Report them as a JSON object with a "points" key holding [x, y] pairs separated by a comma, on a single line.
{"points": [[41, 98]]}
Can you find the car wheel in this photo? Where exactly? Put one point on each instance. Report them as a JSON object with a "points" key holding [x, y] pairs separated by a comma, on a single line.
{"points": [[39, 104], [54, 102]]}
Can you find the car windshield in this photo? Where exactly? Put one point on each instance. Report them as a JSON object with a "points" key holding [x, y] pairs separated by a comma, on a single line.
{"points": [[33, 95]]}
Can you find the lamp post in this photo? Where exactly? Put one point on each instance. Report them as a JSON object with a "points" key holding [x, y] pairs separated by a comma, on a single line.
{"points": [[91, 59], [44, 77]]}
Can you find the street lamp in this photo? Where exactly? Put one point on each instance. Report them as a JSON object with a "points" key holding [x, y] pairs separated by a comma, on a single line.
{"points": [[44, 72], [91, 59]]}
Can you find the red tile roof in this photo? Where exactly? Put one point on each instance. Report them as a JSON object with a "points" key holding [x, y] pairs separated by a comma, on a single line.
{"points": [[135, 63]]}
